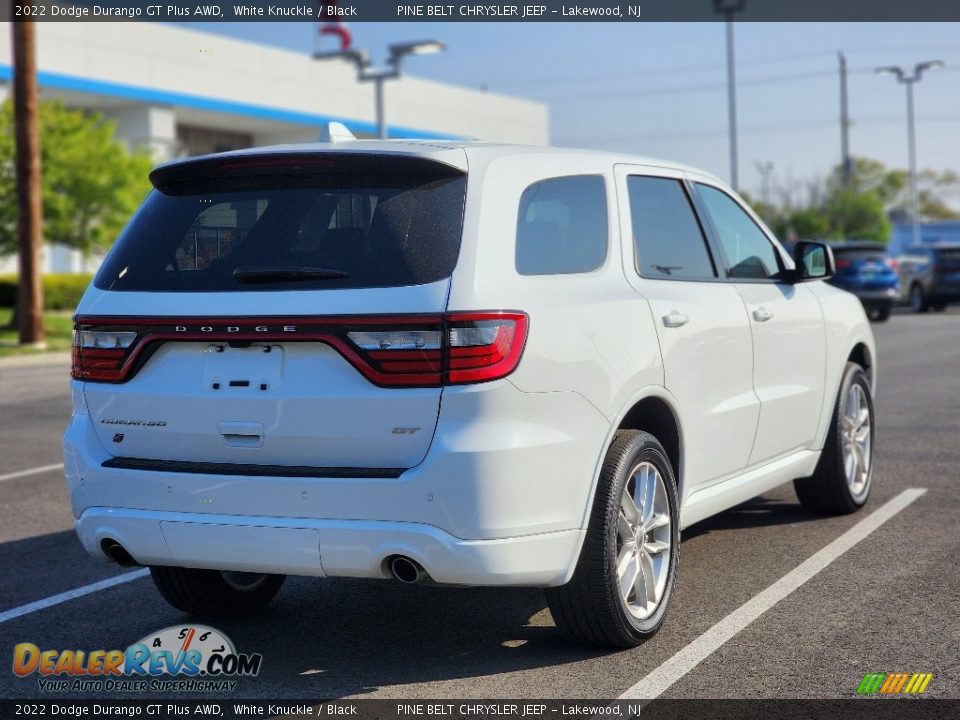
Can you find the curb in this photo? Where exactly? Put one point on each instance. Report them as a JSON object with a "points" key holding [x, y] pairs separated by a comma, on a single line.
{"points": [[36, 360]]}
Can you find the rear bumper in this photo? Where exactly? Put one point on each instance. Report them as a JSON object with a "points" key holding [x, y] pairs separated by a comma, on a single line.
{"points": [[501, 499], [889, 295], [341, 548]]}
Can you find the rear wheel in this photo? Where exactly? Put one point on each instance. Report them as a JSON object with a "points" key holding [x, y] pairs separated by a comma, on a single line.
{"points": [[841, 483], [622, 584], [918, 299], [216, 593]]}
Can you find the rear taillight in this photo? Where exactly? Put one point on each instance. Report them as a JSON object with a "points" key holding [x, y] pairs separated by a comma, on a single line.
{"points": [[842, 264], [389, 350], [100, 354], [892, 264], [483, 346]]}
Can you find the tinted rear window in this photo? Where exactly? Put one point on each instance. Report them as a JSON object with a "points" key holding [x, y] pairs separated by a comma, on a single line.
{"points": [[951, 254], [562, 226], [862, 254], [381, 222]]}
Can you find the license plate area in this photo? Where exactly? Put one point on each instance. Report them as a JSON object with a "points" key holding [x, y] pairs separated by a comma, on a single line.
{"points": [[242, 370]]}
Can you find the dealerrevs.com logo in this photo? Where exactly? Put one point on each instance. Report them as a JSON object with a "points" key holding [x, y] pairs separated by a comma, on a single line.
{"points": [[894, 683], [179, 658]]}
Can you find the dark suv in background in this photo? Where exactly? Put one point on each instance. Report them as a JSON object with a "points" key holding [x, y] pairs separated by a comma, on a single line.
{"points": [[930, 275], [864, 269]]}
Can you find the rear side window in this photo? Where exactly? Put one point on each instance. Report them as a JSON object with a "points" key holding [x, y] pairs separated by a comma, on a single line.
{"points": [[370, 222], [562, 226], [666, 235]]}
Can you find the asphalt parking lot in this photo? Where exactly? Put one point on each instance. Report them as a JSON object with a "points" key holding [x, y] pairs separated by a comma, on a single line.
{"points": [[891, 603]]}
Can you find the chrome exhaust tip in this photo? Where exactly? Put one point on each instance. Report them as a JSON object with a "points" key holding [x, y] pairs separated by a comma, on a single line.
{"points": [[117, 553], [406, 570]]}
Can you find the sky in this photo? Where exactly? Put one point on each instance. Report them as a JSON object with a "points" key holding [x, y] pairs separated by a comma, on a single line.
{"points": [[660, 89]]}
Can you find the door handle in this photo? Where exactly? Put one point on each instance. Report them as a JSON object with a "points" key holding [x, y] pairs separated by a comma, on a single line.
{"points": [[675, 319], [761, 314]]}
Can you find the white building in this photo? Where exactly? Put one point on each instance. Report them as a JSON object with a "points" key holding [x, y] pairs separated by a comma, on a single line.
{"points": [[185, 92]]}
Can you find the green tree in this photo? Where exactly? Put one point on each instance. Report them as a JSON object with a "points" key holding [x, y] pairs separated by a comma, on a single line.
{"points": [[91, 183], [856, 215]]}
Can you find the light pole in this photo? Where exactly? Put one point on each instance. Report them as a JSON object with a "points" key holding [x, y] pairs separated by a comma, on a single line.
{"points": [[728, 8], [394, 69], [909, 81]]}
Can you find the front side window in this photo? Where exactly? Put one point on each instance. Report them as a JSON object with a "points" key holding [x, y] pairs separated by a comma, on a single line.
{"points": [[562, 226], [667, 238], [749, 253]]}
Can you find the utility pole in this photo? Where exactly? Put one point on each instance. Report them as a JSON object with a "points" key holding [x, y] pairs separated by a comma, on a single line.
{"points": [[728, 8], [766, 170], [732, 104], [29, 208], [846, 163]]}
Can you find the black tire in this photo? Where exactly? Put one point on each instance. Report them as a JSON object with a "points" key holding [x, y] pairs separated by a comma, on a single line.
{"points": [[589, 608], [919, 302], [827, 491], [882, 313], [208, 593]]}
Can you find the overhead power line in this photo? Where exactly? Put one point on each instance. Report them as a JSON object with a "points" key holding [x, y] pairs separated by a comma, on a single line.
{"points": [[756, 130]]}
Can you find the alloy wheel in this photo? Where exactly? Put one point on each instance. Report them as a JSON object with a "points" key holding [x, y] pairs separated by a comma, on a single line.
{"points": [[643, 541]]}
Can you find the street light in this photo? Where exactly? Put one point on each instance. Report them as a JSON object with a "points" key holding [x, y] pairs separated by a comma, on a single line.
{"points": [[394, 69], [909, 81], [728, 8]]}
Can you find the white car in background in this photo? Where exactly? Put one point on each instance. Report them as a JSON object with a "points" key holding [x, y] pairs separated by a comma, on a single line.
{"points": [[469, 363]]}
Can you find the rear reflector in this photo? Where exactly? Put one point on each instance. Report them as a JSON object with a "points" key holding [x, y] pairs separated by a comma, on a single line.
{"points": [[389, 350]]}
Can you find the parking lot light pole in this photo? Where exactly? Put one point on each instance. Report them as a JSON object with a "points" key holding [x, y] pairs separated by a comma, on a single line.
{"points": [[378, 75], [728, 8], [910, 81]]}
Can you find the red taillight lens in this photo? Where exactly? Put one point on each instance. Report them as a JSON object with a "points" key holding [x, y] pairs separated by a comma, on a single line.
{"points": [[892, 264], [483, 346], [471, 348], [842, 264], [389, 350], [101, 354]]}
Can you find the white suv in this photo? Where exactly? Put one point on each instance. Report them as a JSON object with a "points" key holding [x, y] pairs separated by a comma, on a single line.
{"points": [[465, 363]]}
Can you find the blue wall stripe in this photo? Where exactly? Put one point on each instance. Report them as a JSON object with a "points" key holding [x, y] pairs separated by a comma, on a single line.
{"points": [[198, 102]]}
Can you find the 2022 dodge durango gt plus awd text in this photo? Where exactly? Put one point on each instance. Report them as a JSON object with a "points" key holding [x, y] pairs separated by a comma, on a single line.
{"points": [[468, 363]]}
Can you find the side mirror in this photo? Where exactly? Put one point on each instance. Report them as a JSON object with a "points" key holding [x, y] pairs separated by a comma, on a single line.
{"points": [[813, 260]]}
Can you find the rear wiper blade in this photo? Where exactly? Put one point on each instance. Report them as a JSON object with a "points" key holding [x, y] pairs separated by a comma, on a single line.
{"points": [[252, 275]]}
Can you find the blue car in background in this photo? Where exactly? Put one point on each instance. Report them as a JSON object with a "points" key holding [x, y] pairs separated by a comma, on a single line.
{"points": [[864, 269]]}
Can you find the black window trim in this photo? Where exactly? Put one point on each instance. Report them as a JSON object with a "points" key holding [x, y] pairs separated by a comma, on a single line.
{"points": [[715, 242], [711, 252]]}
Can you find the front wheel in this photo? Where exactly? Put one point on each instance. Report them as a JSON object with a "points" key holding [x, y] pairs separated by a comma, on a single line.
{"points": [[622, 584], [879, 312], [918, 299], [216, 593], [843, 477]]}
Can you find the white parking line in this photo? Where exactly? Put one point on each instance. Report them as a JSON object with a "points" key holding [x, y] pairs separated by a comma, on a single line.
{"points": [[657, 682], [63, 597], [31, 471]]}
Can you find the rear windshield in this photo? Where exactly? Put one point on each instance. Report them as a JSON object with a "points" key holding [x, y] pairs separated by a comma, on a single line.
{"points": [[949, 253], [862, 254], [321, 224]]}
